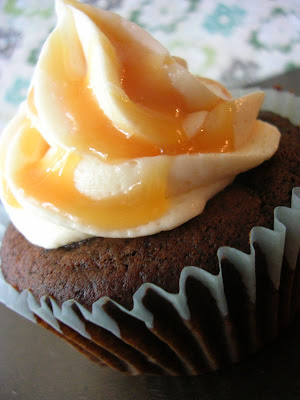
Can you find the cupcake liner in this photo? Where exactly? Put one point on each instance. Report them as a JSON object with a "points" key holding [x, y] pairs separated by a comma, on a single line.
{"points": [[213, 321]]}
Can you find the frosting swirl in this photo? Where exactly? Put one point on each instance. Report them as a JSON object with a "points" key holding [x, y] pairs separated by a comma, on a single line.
{"points": [[117, 138]]}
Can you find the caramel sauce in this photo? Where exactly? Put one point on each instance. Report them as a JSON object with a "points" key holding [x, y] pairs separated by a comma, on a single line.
{"points": [[92, 131], [49, 180], [30, 102], [48, 176], [8, 197]]}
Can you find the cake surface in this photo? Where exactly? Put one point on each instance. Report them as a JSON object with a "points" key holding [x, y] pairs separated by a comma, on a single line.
{"points": [[116, 268]]}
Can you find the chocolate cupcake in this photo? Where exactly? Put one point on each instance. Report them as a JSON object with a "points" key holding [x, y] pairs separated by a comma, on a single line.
{"points": [[155, 296], [156, 328]]}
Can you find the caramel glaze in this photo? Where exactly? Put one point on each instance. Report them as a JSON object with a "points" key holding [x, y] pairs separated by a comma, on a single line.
{"points": [[47, 174]]}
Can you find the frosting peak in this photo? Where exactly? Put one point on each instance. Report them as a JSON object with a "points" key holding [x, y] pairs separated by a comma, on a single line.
{"points": [[117, 138]]}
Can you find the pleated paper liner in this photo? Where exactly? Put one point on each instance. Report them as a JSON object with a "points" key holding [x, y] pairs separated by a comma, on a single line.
{"points": [[214, 320]]}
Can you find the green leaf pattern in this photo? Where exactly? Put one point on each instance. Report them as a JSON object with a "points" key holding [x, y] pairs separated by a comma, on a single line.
{"points": [[234, 41]]}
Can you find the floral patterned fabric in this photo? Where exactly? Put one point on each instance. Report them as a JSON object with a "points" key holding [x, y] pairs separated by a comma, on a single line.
{"points": [[236, 42]]}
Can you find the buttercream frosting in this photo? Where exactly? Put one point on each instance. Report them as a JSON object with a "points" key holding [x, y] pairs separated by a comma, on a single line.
{"points": [[117, 138]]}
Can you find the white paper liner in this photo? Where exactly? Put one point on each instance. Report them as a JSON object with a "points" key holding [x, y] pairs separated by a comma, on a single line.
{"points": [[285, 238]]}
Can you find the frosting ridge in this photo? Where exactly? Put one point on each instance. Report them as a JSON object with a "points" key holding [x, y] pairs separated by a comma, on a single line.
{"points": [[117, 138]]}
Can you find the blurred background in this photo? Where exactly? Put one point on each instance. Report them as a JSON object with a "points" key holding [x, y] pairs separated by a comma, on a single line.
{"points": [[234, 41]]}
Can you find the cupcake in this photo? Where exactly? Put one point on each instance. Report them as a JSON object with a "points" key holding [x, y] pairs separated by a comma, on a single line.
{"points": [[132, 187]]}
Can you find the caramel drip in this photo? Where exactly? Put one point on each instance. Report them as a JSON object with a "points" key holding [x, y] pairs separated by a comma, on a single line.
{"points": [[8, 196], [90, 130], [47, 174], [48, 179]]}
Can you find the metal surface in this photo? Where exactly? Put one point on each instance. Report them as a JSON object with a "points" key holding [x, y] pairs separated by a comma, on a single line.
{"points": [[35, 364], [289, 81]]}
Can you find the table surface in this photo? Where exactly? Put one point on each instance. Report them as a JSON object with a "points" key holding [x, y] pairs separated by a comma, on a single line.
{"points": [[35, 364]]}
